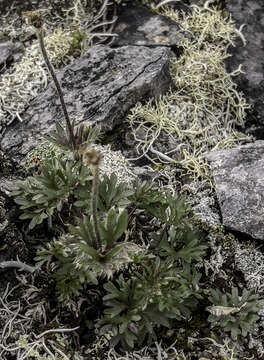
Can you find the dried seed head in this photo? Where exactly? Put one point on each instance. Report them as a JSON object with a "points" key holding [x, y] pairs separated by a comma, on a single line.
{"points": [[91, 157], [33, 18]]}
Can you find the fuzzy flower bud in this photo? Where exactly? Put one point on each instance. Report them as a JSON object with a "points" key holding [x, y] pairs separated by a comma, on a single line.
{"points": [[91, 157], [33, 18]]}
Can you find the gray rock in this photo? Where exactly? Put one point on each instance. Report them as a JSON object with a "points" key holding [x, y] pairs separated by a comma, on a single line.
{"points": [[239, 184], [137, 25], [100, 87], [250, 13], [6, 53], [251, 56]]}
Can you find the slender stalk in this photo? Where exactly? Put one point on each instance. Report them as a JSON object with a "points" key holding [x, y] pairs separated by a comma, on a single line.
{"points": [[92, 158], [39, 32]]}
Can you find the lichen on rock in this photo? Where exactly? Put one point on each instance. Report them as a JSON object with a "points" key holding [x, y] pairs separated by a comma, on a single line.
{"points": [[201, 114]]}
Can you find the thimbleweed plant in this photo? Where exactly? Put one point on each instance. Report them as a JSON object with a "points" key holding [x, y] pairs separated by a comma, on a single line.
{"points": [[40, 196], [160, 287], [157, 294], [233, 313], [147, 279], [88, 259], [91, 248], [43, 195]]}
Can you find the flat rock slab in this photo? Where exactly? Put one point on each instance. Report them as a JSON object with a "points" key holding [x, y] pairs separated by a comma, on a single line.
{"points": [[100, 88], [137, 25], [239, 184]]}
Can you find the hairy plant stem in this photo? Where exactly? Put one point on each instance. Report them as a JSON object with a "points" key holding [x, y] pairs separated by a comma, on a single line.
{"points": [[39, 32], [94, 206]]}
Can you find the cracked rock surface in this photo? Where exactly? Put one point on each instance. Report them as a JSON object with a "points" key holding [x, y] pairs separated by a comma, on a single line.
{"points": [[100, 87], [239, 184]]}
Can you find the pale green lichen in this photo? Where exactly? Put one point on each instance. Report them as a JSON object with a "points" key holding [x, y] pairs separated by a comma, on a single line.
{"points": [[201, 114], [204, 25], [39, 350], [32, 350]]}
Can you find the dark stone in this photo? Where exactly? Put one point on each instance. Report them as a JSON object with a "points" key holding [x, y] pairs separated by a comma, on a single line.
{"points": [[251, 56], [137, 25], [11, 239], [100, 88], [6, 53], [239, 184]]}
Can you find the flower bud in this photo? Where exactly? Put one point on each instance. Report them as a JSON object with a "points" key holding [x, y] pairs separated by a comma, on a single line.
{"points": [[91, 157]]}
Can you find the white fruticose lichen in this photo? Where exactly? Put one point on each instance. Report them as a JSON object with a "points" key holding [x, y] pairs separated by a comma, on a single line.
{"points": [[159, 352], [113, 162], [203, 202], [205, 25], [250, 260], [17, 337], [205, 107]]}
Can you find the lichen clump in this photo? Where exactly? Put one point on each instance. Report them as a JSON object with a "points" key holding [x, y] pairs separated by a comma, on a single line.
{"points": [[29, 76], [201, 114]]}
